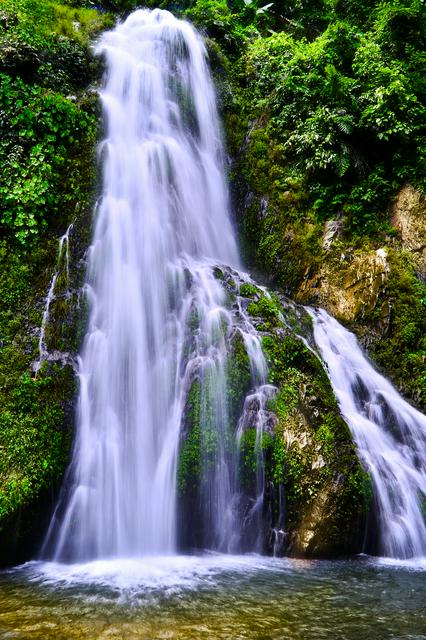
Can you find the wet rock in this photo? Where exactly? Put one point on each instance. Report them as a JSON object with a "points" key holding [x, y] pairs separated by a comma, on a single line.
{"points": [[409, 219], [350, 288], [332, 231]]}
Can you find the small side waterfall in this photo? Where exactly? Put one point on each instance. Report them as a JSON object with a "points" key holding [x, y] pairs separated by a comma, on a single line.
{"points": [[159, 326], [390, 435], [63, 247]]}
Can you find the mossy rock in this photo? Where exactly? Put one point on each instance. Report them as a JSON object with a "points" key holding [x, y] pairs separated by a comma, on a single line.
{"points": [[327, 493], [37, 411], [315, 489]]}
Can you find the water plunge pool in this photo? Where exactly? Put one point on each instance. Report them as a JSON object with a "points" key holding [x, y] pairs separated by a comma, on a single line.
{"points": [[215, 597]]}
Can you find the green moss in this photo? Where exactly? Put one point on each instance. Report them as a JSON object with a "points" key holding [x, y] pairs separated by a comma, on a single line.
{"points": [[200, 440], [34, 440], [251, 450], [190, 455], [248, 455], [289, 354], [278, 461], [403, 353], [248, 290], [265, 308], [218, 273], [238, 377], [35, 414]]}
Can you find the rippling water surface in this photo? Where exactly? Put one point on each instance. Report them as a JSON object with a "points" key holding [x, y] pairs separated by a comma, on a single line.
{"points": [[215, 597]]}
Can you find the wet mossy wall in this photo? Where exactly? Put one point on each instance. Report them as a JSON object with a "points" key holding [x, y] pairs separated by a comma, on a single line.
{"points": [[49, 120], [326, 491]]}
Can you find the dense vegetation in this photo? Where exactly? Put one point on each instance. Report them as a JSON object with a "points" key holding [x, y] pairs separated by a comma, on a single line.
{"points": [[49, 128], [324, 105], [324, 111], [334, 91]]}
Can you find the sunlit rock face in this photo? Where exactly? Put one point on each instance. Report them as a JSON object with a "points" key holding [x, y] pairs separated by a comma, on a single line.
{"points": [[409, 219], [348, 287]]}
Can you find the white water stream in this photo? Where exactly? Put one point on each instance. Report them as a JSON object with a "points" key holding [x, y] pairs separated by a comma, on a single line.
{"points": [[389, 433], [162, 224]]}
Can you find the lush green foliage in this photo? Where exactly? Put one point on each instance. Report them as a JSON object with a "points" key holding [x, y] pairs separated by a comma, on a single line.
{"points": [[45, 133], [347, 110], [34, 447], [43, 130], [48, 125]]}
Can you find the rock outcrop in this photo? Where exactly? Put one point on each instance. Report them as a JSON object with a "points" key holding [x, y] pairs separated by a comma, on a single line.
{"points": [[409, 219], [349, 287], [316, 494]]}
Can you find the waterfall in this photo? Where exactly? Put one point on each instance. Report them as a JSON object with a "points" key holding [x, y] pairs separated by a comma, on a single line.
{"points": [[42, 349], [158, 319], [389, 433], [164, 331]]}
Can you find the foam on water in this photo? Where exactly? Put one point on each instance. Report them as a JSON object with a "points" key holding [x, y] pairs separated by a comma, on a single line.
{"points": [[150, 575]]}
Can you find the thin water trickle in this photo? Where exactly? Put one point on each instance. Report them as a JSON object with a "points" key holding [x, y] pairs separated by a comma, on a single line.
{"points": [[390, 435], [42, 349]]}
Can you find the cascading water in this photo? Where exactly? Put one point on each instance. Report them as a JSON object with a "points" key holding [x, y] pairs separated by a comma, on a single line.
{"points": [[158, 320], [390, 435], [63, 248]]}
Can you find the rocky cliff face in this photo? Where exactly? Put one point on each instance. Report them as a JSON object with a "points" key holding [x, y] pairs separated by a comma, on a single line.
{"points": [[379, 293], [408, 216], [350, 286]]}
